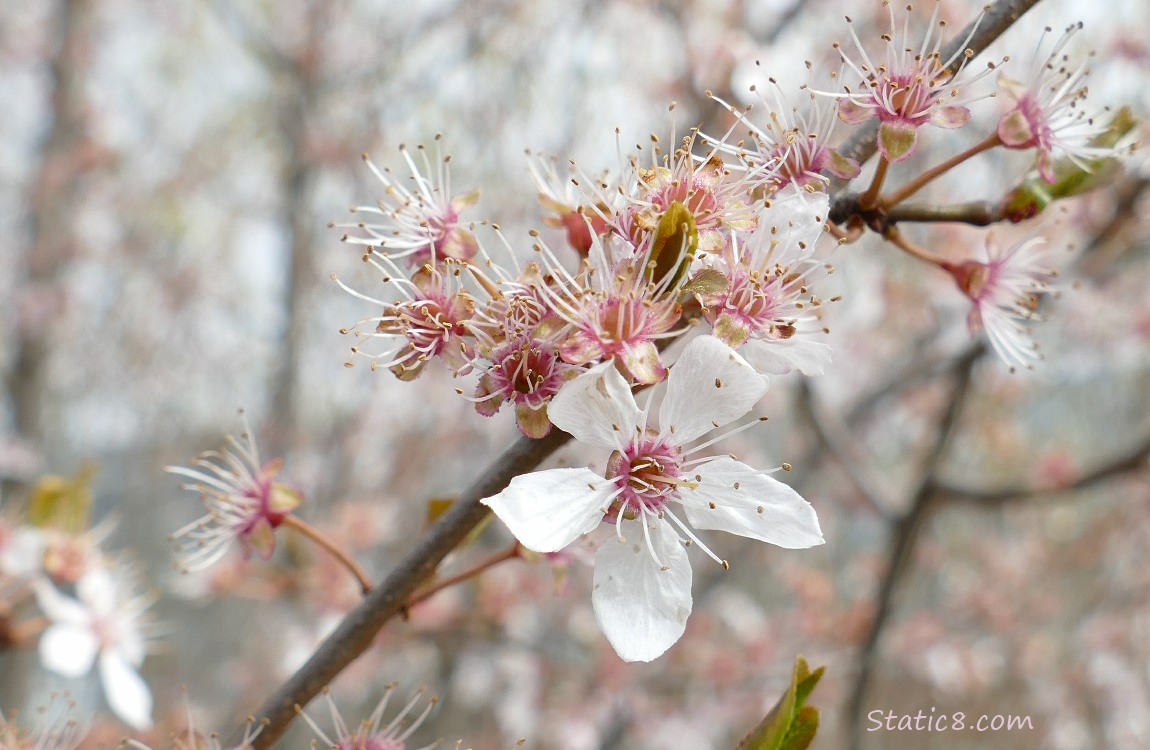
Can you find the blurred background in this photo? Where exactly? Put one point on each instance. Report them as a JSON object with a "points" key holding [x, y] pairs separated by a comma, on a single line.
{"points": [[167, 175]]}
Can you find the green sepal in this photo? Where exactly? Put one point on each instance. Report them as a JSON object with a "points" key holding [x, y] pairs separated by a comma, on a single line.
{"points": [[673, 248], [790, 724], [63, 503]]}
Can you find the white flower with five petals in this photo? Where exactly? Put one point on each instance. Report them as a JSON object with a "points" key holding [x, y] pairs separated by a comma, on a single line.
{"points": [[642, 579], [105, 625]]}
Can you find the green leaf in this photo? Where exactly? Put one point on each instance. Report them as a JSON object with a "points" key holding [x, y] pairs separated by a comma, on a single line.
{"points": [[790, 724], [63, 503], [673, 249], [803, 729]]}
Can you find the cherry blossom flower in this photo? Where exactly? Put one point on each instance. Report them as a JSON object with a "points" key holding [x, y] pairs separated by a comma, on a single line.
{"points": [[715, 201], [421, 223], [243, 500], [517, 351], [427, 322], [792, 148], [372, 733], [617, 306], [910, 89], [104, 624], [642, 578], [768, 299], [1046, 116], [1004, 291], [526, 372]]}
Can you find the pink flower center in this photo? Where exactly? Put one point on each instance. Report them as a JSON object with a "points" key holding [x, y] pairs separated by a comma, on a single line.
{"points": [[649, 472], [424, 322], [526, 372], [696, 195], [627, 321], [905, 98], [756, 305], [261, 494], [799, 162]]}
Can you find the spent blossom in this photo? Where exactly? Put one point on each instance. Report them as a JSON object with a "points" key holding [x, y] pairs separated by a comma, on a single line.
{"points": [[372, 733], [243, 499], [621, 302], [792, 147], [568, 204], [420, 222], [714, 200], [642, 578], [1003, 291], [525, 371], [767, 309], [104, 624], [1046, 115], [427, 322], [910, 89]]}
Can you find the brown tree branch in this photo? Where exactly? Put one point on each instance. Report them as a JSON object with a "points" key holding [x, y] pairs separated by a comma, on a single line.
{"points": [[354, 635], [1134, 460]]}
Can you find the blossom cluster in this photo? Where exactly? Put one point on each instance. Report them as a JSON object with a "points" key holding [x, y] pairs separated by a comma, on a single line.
{"points": [[683, 241], [714, 242]]}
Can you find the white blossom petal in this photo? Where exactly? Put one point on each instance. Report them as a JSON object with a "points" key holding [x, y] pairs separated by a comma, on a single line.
{"points": [[97, 589], [547, 510], [23, 553], [596, 407], [127, 693], [60, 608], [640, 607], [796, 217], [760, 508], [778, 357], [709, 386], [68, 649]]}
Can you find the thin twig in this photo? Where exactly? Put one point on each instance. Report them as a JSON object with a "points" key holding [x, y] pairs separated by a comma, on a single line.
{"points": [[918, 183], [1133, 461], [975, 213], [354, 635], [431, 590], [329, 544], [896, 238], [905, 536], [869, 199], [845, 451]]}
